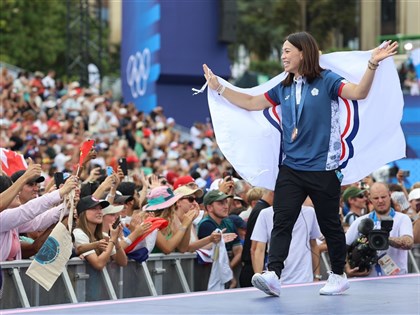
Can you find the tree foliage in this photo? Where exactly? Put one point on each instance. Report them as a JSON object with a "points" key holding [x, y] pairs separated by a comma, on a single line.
{"points": [[332, 22], [263, 25], [257, 26], [32, 33]]}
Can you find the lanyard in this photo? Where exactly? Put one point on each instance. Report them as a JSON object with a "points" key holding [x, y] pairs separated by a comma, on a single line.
{"points": [[297, 110], [375, 219]]}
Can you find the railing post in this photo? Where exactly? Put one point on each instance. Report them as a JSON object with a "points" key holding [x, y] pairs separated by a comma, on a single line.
{"points": [[69, 287], [19, 287], [413, 261], [108, 284], [181, 276], [149, 280], [158, 276]]}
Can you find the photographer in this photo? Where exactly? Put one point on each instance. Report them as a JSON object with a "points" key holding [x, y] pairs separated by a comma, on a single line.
{"points": [[381, 262]]}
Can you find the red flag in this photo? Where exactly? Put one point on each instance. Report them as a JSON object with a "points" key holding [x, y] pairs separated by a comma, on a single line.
{"points": [[157, 223], [11, 161], [85, 149]]}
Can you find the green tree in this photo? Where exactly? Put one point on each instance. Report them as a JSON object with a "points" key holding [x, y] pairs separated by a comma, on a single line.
{"points": [[32, 33], [332, 22], [257, 26], [263, 25]]}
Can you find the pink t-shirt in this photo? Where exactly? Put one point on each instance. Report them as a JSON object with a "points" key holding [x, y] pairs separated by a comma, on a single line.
{"points": [[14, 249]]}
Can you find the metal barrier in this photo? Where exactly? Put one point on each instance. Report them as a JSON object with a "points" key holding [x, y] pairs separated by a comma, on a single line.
{"points": [[160, 274]]}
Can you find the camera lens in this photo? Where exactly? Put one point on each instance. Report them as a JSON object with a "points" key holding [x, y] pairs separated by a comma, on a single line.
{"points": [[378, 240]]}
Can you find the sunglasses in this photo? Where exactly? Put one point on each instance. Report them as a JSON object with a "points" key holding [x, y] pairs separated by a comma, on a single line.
{"points": [[190, 199], [360, 196]]}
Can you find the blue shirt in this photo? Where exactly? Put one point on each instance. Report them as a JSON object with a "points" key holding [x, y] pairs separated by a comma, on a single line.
{"points": [[317, 146]]}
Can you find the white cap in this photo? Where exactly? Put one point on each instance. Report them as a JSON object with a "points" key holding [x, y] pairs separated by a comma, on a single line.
{"points": [[160, 125], [98, 100], [414, 194], [112, 209]]}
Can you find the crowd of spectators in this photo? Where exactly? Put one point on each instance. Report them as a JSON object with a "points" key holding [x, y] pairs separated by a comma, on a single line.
{"points": [[159, 200], [409, 79]]}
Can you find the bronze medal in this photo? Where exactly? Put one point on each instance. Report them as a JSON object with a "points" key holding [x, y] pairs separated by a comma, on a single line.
{"points": [[294, 134]]}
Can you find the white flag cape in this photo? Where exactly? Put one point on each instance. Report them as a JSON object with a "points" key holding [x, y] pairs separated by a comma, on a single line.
{"points": [[371, 134]]}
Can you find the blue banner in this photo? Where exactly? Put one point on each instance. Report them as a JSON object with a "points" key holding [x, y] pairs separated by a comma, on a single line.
{"points": [[140, 45]]}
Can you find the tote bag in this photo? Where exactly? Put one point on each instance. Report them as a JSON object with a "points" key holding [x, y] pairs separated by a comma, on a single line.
{"points": [[51, 260], [220, 269]]}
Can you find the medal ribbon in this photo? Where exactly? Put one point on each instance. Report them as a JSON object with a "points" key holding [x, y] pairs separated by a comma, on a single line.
{"points": [[297, 111]]}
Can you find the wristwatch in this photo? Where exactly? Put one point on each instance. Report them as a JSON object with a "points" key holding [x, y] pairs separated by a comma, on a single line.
{"points": [[319, 277]]}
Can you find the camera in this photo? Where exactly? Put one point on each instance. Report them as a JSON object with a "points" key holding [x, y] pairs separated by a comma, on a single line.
{"points": [[363, 252]]}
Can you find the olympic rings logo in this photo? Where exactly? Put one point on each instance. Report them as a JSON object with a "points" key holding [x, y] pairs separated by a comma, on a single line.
{"points": [[138, 69]]}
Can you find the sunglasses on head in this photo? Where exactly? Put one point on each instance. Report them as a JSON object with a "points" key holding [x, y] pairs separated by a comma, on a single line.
{"points": [[190, 199]]}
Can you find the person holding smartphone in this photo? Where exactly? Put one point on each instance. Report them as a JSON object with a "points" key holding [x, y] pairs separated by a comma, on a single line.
{"points": [[90, 230]]}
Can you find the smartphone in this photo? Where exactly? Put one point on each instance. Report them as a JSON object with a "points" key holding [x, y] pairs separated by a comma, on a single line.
{"points": [[228, 175], [116, 223], [123, 164], [102, 172], [109, 170], [406, 173], [58, 179]]}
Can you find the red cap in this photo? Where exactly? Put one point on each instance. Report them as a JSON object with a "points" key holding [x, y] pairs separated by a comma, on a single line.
{"points": [[132, 159], [147, 132], [183, 180], [171, 177]]}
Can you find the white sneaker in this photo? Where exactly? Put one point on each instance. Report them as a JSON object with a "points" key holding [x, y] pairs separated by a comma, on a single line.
{"points": [[268, 282], [336, 284]]}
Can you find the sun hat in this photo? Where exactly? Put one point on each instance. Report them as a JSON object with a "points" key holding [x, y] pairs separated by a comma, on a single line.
{"points": [[187, 191], [160, 198]]}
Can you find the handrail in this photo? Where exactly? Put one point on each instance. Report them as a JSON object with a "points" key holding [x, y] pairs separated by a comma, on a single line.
{"points": [[78, 274]]}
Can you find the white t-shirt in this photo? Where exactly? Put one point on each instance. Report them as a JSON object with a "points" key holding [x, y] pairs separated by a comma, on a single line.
{"points": [[298, 265], [195, 134], [245, 214], [401, 226], [81, 237]]}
